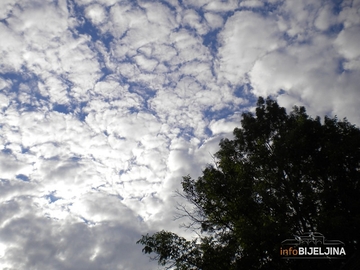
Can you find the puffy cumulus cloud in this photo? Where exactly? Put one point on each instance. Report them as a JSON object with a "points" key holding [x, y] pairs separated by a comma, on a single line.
{"points": [[349, 14], [223, 126], [299, 18], [106, 3], [137, 26], [10, 49], [96, 13], [325, 18], [200, 71], [36, 242], [27, 19], [252, 3], [160, 15], [246, 37], [184, 106], [192, 19], [6, 6], [39, 41], [145, 64], [221, 6], [10, 166], [347, 42], [214, 20], [188, 46], [180, 155], [70, 191], [304, 73], [97, 207], [27, 33]]}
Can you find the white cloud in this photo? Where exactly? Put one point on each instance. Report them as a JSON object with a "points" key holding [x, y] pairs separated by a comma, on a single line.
{"points": [[214, 20], [252, 3], [10, 166], [145, 64], [325, 18], [221, 6], [192, 19], [49, 243], [96, 13], [159, 14], [10, 49], [300, 17], [246, 37], [349, 15], [4, 101], [223, 126], [347, 42]]}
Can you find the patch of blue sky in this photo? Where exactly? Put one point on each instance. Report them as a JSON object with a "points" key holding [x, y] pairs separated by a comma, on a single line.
{"points": [[98, 188], [167, 4], [118, 196], [223, 113], [171, 84], [210, 41], [337, 6], [144, 92], [139, 218], [65, 109], [87, 28], [51, 197], [80, 114], [105, 72], [17, 78], [6, 150], [73, 108], [25, 78], [24, 150], [87, 222], [340, 67], [23, 177], [289, 39], [4, 21], [186, 133], [334, 29], [244, 91], [266, 9], [282, 92], [75, 159], [134, 110], [13, 76], [292, 40], [208, 132]]}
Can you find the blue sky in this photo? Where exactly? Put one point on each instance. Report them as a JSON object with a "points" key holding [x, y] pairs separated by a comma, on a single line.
{"points": [[106, 104]]}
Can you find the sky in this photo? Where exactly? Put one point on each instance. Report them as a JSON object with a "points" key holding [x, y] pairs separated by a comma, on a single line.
{"points": [[106, 104]]}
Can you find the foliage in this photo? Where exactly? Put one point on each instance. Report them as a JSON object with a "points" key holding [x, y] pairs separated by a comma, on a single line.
{"points": [[281, 175]]}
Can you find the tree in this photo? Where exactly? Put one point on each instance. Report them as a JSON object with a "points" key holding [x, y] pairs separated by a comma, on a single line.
{"points": [[281, 175]]}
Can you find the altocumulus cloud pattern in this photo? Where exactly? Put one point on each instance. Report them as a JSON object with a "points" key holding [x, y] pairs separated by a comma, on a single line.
{"points": [[105, 104]]}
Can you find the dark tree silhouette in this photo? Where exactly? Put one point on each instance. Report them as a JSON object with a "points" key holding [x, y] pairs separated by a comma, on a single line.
{"points": [[282, 175]]}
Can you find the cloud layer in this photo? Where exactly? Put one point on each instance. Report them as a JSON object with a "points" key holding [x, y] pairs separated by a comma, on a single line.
{"points": [[106, 104]]}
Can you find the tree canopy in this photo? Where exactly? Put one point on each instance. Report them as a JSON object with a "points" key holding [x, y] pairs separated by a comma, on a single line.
{"points": [[282, 175]]}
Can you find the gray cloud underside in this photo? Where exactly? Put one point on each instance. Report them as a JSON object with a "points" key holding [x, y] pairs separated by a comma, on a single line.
{"points": [[106, 104]]}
